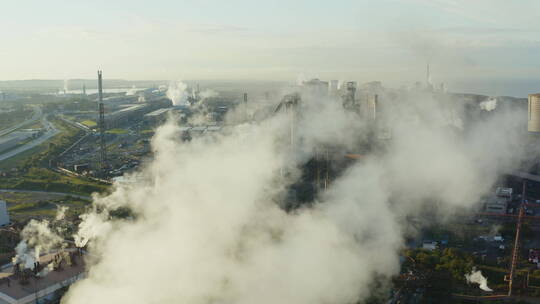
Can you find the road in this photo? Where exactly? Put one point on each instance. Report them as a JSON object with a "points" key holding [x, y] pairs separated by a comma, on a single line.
{"points": [[46, 192], [50, 131], [35, 116]]}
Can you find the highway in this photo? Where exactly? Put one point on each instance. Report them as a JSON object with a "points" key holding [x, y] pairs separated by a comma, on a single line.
{"points": [[35, 116], [50, 131]]}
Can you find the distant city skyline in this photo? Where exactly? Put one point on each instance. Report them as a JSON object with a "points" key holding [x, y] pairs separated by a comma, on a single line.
{"points": [[491, 45]]}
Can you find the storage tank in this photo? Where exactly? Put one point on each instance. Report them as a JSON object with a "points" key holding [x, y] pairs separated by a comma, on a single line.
{"points": [[534, 113]]}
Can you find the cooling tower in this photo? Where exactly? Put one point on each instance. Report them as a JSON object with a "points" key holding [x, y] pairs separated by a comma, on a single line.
{"points": [[534, 113]]}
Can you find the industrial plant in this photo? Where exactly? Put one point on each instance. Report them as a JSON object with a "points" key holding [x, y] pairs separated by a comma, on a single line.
{"points": [[115, 135]]}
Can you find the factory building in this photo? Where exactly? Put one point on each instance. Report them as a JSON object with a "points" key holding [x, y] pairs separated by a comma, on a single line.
{"points": [[316, 87], [533, 124], [333, 87], [499, 202], [157, 117], [371, 108], [349, 95], [133, 112], [496, 205], [52, 272]]}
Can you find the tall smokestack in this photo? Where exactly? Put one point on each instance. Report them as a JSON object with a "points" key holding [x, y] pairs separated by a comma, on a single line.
{"points": [[245, 107], [100, 88], [428, 76], [102, 154]]}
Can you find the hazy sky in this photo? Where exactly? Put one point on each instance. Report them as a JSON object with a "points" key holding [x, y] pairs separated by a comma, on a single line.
{"points": [[389, 40]]}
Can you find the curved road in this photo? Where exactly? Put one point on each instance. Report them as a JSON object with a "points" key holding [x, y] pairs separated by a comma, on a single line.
{"points": [[45, 192], [35, 116], [50, 131]]}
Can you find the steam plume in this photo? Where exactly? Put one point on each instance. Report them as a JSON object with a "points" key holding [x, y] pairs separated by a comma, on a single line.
{"points": [[132, 91], [205, 226], [476, 277], [489, 105], [39, 237], [177, 93]]}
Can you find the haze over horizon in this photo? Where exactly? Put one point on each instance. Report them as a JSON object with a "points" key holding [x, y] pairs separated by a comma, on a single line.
{"points": [[491, 46]]}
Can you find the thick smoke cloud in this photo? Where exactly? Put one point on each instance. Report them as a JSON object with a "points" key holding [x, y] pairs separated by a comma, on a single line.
{"points": [[476, 277], [40, 237], [177, 92], [206, 224]]}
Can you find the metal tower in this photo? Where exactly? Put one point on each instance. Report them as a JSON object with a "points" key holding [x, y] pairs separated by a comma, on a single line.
{"points": [[245, 107], [102, 152], [517, 242]]}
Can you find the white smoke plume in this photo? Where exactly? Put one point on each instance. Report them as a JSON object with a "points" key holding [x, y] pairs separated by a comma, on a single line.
{"points": [[61, 213], [206, 224], [476, 277], [45, 271], [39, 237], [208, 93], [36, 238], [177, 93], [489, 105], [132, 91]]}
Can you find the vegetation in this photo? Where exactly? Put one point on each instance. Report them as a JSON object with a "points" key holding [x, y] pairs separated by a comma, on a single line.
{"points": [[117, 131], [46, 208], [444, 271], [147, 131], [89, 123], [8, 119], [32, 172], [48, 151], [36, 125], [79, 103], [42, 179], [508, 230]]}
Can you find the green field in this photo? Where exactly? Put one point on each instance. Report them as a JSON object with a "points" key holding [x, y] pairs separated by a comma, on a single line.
{"points": [[147, 131], [89, 123], [46, 208], [117, 131], [31, 167], [42, 179]]}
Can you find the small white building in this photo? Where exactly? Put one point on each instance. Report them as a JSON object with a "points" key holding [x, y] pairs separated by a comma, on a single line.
{"points": [[429, 245]]}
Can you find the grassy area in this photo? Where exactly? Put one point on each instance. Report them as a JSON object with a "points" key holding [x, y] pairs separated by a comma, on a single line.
{"points": [[36, 125], [41, 155], [30, 206], [117, 131], [31, 164], [21, 210], [89, 123], [148, 131], [9, 119], [20, 159], [41, 179]]}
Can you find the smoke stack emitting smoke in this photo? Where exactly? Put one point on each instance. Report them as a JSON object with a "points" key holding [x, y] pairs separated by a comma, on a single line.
{"points": [[477, 277], [177, 93], [38, 238], [206, 227]]}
